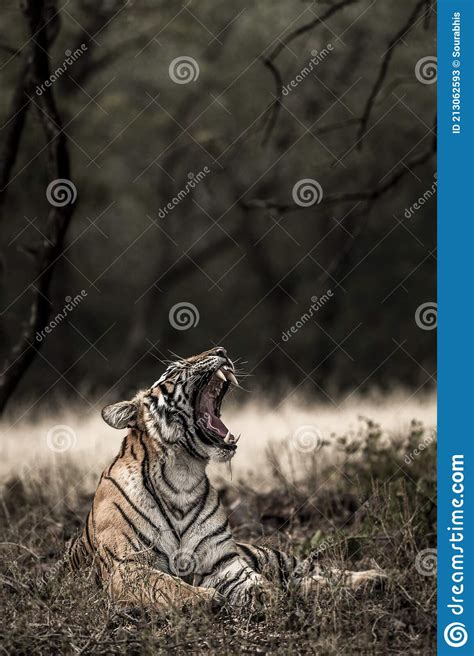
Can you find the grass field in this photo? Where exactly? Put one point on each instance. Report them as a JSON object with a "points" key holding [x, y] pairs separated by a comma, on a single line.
{"points": [[359, 491]]}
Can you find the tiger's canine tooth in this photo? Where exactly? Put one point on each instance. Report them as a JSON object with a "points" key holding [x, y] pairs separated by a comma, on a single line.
{"points": [[229, 374], [232, 378], [220, 374]]}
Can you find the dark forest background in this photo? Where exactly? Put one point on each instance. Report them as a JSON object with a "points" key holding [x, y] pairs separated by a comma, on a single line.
{"points": [[237, 246]]}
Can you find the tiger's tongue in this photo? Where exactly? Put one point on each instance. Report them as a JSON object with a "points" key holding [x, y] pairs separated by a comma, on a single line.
{"points": [[217, 425], [213, 422]]}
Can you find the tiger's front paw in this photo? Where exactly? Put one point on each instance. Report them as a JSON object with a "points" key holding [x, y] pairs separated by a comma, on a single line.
{"points": [[207, 598], [253, 598], [310, 585], [368, 579], [258, 596]]}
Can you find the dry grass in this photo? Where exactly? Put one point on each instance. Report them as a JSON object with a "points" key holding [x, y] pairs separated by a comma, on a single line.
{"points": [[357, 500]]}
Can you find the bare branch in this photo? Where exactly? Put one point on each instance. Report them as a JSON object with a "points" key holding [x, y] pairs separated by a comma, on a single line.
{"points": [[367, 195], [308, 26], [384, 69], [182, 269], [270, 116], [274, 108]]}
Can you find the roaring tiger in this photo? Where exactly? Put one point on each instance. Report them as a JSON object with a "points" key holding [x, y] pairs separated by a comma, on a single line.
{"points": [[157, 531]]}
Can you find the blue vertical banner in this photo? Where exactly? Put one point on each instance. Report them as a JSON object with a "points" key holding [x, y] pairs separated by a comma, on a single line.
{"points": [[455, 327]]}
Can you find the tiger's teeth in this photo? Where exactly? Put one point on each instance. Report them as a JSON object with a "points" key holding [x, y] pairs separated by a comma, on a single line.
{"points": [[230, 375], [227, 437], [220, 374], [236, 439]]}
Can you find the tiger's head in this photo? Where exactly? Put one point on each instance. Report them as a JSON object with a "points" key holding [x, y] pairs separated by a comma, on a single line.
{"points": [[183, 407]]}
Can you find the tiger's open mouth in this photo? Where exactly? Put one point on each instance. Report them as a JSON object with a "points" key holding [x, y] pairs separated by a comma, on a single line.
{"points": [[208, 408]]}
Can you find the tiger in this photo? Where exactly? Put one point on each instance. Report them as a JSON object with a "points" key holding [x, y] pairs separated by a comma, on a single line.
{"points": [[157, 533]]}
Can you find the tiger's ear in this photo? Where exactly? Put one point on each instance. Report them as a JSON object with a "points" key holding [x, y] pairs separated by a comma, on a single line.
{"points": [[120, 415]]}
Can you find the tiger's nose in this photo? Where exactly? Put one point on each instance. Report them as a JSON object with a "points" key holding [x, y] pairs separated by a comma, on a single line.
{"points": [[220, 352]]}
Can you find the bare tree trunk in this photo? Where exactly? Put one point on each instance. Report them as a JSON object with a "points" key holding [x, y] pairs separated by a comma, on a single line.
{"points": [[16, 122], [43, 21]]}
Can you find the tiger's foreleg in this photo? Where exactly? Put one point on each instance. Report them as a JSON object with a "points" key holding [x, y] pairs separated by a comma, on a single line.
{"points": [[132, 584], [238, 583], [282, 569], [305, 575], [275, 565], [312, 577]]}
